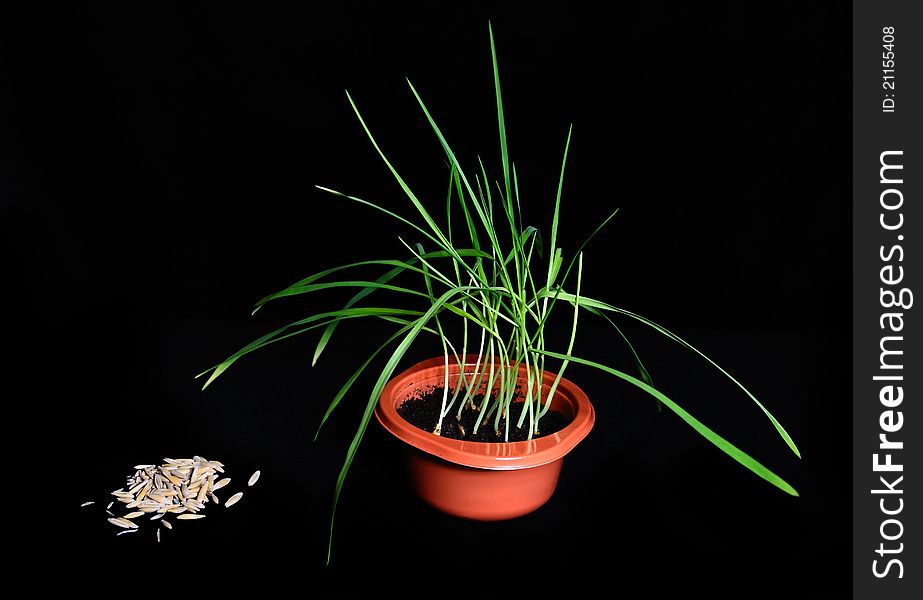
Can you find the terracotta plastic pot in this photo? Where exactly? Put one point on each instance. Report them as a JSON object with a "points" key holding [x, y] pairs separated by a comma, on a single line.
{"points": [[479, 480]]}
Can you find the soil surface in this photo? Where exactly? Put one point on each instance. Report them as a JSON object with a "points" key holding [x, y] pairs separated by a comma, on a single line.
{"points": [[423, 412]]}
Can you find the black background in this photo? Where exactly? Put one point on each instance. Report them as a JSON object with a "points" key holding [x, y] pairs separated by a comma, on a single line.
{"points": [[161, 170]]}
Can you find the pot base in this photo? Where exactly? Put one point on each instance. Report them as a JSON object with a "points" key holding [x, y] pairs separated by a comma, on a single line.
{"points": [[480, 494]]}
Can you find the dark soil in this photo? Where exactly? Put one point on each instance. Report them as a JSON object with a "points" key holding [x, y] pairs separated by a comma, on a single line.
{"points": [[423, 412]]}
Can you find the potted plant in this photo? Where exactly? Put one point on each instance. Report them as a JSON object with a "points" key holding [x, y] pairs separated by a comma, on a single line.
{"points": [[486, 424]]}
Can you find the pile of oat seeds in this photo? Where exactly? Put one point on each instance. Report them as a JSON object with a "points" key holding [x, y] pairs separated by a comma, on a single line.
{"points": [[180, 486]]}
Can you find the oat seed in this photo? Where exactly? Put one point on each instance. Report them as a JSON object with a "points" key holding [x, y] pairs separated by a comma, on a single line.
{"points": [[233, 499], [123, 523], [254, 478]]}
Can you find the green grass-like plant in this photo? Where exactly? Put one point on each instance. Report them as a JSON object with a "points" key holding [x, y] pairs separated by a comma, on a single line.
{"points": [[495, 286]]}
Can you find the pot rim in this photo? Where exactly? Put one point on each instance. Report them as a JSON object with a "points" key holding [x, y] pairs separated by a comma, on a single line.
{"points": [[499, 456]]}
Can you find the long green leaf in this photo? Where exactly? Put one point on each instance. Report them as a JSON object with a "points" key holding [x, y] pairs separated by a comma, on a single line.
{"points": [[413, 198], [366, 285], [399, 267], [724, 445], [645, 375], [501, 122], [604, 306], [345, 313], [557, 211], [352, 379], [486, 221], [328, 332], [445, 246], [383, 378], [402, 266]]}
